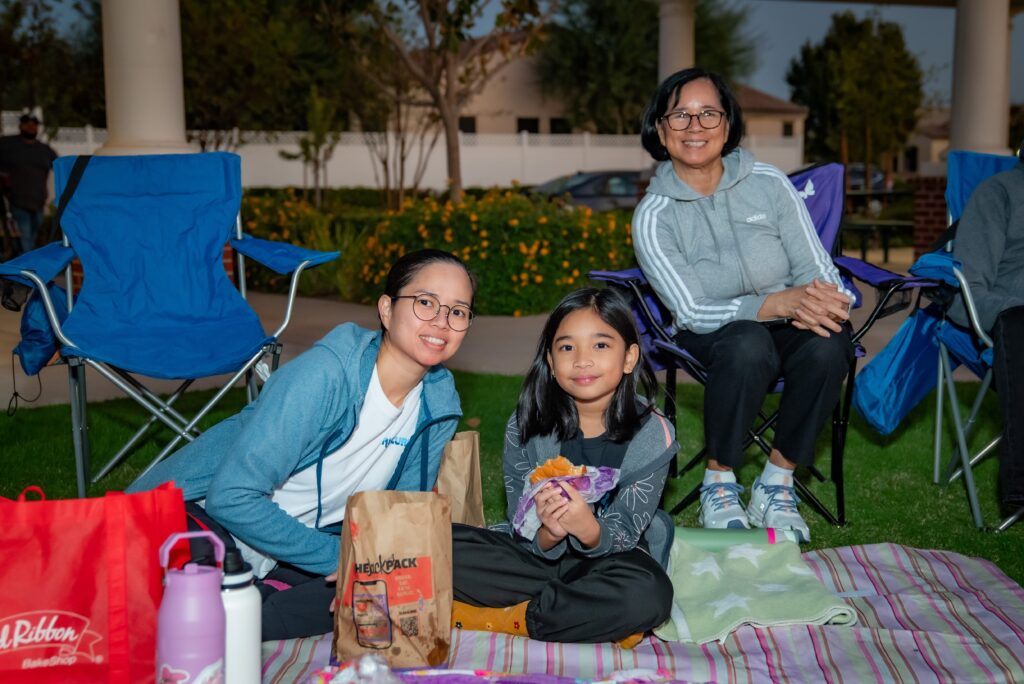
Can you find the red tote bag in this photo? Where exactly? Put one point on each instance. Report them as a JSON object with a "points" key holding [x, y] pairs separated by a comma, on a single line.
{"points": [[80, 585]]}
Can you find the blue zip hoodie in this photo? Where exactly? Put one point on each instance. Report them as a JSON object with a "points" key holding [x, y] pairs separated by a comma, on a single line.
{"points": [[307, 410]]}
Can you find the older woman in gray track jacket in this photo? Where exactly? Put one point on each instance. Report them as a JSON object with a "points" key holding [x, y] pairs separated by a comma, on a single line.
{"points": [[729, 247]]}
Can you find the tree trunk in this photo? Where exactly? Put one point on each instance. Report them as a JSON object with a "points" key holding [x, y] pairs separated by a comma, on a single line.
{"points": [[450, 119], [449, 110]]}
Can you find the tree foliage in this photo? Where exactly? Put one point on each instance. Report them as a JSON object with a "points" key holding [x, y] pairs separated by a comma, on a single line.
{"points": [[438, 44], [250, 64], [41, 67], [863, 89], [600, 57]]}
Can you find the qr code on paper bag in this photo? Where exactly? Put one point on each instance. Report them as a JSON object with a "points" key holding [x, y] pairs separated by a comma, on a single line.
{"points": [[410, 625]]}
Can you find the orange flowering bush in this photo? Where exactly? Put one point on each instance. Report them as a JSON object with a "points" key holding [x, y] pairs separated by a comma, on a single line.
{"points": [[527, 252]]}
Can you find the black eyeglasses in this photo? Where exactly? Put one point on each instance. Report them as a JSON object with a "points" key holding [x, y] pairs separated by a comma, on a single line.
{"points": [[427, 308], [680, 121]]}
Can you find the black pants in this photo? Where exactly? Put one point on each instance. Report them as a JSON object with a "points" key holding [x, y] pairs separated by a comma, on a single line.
{"points": [[1008, 372], [301, 610], [572, 599], [743, 360]]}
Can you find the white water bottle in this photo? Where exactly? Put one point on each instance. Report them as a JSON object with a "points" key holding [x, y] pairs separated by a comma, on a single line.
{"points": [[242, 623]]}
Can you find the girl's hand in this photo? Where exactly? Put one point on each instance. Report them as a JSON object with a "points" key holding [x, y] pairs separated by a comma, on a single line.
{"points": [[578, 519], [551, 506]]}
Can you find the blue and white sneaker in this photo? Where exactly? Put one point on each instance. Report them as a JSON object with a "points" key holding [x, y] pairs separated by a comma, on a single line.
{"points": [[720, 505], [773, 504]]}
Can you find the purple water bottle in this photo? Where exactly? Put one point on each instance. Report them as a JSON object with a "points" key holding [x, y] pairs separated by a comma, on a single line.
{"points": [[190, 624]]}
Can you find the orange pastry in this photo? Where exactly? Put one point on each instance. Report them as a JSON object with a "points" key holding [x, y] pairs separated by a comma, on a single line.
{"points": [[556, 467]]}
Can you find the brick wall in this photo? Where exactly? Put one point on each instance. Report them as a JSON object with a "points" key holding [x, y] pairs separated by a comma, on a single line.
{"points": [[929, 211]]}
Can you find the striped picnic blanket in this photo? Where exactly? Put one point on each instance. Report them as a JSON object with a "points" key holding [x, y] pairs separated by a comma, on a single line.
{"points": [[924, 616]]}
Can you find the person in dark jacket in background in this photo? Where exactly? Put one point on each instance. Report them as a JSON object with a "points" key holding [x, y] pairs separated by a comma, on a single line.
{"points": [[990, 245]]}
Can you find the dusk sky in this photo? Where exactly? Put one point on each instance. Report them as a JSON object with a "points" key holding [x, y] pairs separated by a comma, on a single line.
{"points": [[782, 26]]}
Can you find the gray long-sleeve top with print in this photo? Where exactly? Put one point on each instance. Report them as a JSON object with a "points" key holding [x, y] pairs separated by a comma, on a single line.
{"points": [[633, 512]]}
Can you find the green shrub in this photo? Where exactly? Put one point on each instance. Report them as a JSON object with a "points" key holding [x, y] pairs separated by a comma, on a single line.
{"points": [[527, 252]]}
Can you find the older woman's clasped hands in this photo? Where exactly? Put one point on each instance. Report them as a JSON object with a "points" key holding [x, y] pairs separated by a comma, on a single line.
{"points": [[818, 306]]}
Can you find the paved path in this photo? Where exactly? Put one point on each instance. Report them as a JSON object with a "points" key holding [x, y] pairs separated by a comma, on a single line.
{"points": [[495, 344]]}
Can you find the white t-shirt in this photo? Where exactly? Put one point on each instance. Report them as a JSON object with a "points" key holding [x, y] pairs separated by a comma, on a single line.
{"points": [[365, 462]]}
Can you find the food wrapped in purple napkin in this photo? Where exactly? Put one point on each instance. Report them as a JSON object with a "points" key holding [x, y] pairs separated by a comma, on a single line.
{"points": [[592, 485]]}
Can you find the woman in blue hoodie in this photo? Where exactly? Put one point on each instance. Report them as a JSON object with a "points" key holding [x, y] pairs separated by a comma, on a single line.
{"points": [[360, 410], [729, 247]]}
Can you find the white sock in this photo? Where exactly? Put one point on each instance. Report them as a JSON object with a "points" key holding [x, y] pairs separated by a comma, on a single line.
{"points": [[713, 476], [776, 475]]}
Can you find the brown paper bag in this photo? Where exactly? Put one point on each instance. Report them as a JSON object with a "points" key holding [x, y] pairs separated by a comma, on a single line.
{"points": [[459, 478], [395, 579]]}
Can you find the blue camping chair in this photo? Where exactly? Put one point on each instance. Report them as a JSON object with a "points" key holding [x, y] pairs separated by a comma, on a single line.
{"points": [[822, 189], [971, 347], [156, 301]]}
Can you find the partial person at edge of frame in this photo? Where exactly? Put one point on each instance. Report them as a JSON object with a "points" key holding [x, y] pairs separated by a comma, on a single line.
{"points": [[729, 247], [990, 246]]}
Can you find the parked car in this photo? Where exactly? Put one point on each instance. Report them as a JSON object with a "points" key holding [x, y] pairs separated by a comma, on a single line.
{"points": [[599, 190], [855, 174]]}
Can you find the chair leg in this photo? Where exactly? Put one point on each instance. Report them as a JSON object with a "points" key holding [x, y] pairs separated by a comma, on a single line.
{"points": [[940, 387], [119, 456], [1005, 525], [670, 412], [185, 432], [840, 425], [686, 501], [972, 494], [79, 426]]}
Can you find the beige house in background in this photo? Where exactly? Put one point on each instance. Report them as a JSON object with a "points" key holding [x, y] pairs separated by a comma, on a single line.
{"points": [[512, 102]]}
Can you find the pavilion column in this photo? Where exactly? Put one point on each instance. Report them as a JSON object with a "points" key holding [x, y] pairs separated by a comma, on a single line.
{"points": [[142, 70], [981, 77], [676, 36]]}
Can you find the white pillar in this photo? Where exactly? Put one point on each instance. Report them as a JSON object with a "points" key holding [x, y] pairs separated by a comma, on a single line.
{"points": [[676, 36], [143, 75], [981, 77]]}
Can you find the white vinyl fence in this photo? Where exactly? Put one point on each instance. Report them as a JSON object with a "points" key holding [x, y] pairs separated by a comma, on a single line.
{"points": [[487, 159]]}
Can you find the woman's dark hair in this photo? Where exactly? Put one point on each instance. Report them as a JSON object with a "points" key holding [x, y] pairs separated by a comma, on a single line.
{"points": [[408, 265], [667, 95], [545, 408]]}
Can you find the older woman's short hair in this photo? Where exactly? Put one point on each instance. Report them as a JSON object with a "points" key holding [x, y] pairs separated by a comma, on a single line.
{"points": [[666, 96]]}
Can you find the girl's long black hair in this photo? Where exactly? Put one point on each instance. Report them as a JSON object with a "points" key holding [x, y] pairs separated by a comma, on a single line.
{"points": [[545, 408]]}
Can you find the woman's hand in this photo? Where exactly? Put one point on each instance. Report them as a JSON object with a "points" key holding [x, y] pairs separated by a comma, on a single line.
{"points": [[551, 506], [578, 519], [818, 307], [333, 577]]}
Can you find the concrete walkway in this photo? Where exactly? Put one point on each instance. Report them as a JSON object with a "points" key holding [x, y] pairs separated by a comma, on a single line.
{"points": [[495, 344]]}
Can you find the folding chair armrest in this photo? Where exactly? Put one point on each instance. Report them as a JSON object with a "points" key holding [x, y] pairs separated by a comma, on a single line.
{"points": [[45, 262], [281, 257], [893, 289], [625, 277]]}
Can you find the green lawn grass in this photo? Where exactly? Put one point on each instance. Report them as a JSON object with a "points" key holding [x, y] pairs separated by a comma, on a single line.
{"points": [[890, 497]]}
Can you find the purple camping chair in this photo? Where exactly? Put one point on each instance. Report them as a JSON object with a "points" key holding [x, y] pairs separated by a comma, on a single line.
{"points": [[822, 189]]}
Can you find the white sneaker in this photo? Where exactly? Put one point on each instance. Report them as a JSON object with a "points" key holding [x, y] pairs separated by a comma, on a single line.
{"points": [[720, 505], [773, 504]]}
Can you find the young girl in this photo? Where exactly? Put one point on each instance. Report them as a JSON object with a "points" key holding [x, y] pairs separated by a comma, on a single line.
{"points": [[589, 574], [361, 410]]}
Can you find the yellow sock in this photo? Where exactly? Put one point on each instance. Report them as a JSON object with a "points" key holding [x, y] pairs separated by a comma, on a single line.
{"points": [[511, 620], [631, 641]]}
